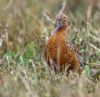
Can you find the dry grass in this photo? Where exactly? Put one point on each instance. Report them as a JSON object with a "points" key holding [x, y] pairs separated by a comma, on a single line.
{"points": [[22, 71]]}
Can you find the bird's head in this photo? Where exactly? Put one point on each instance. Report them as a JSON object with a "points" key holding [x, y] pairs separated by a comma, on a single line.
{"points": [[61, 21]]}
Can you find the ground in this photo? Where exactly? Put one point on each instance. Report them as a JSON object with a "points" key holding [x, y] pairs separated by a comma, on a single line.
{"points": [[22, 69]]}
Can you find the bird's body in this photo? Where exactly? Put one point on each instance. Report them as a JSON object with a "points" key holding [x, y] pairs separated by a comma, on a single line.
{"points": [[58, 52]]}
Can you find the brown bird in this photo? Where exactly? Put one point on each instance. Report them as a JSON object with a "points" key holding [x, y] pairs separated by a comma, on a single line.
{"points": [[58, 52]]}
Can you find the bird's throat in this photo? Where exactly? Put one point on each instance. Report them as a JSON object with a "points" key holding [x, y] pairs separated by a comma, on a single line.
{"points": [[59, 31]]}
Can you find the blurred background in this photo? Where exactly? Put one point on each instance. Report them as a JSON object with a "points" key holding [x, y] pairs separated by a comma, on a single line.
{"points": [[24, 31], [25, 23]]}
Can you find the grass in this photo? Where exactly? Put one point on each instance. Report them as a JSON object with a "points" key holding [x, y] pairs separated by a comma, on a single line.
{"points": [[22, 71]]}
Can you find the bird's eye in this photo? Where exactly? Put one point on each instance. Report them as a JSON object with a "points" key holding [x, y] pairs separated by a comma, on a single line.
{"points": [[63, 21]]}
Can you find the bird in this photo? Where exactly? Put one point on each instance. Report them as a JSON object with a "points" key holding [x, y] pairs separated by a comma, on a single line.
{"points": [[58, 52]]}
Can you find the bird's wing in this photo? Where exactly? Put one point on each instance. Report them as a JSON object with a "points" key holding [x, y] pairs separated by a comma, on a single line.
{"points": [[75, 49], [72, 47]]}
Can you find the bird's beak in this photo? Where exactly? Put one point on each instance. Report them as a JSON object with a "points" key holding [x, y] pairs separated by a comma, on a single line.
{"points": [[58, 24]]}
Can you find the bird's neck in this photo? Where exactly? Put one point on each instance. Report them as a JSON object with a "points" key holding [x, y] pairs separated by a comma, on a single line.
{"points": [[62, 31]]}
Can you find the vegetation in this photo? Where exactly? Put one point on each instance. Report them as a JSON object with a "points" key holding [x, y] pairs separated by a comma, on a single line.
{"points": [[23, 33]]}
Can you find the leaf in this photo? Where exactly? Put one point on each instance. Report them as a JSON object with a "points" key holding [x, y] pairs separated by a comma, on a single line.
{"points": [[87, 71], [21, 59], [31, 51]]}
